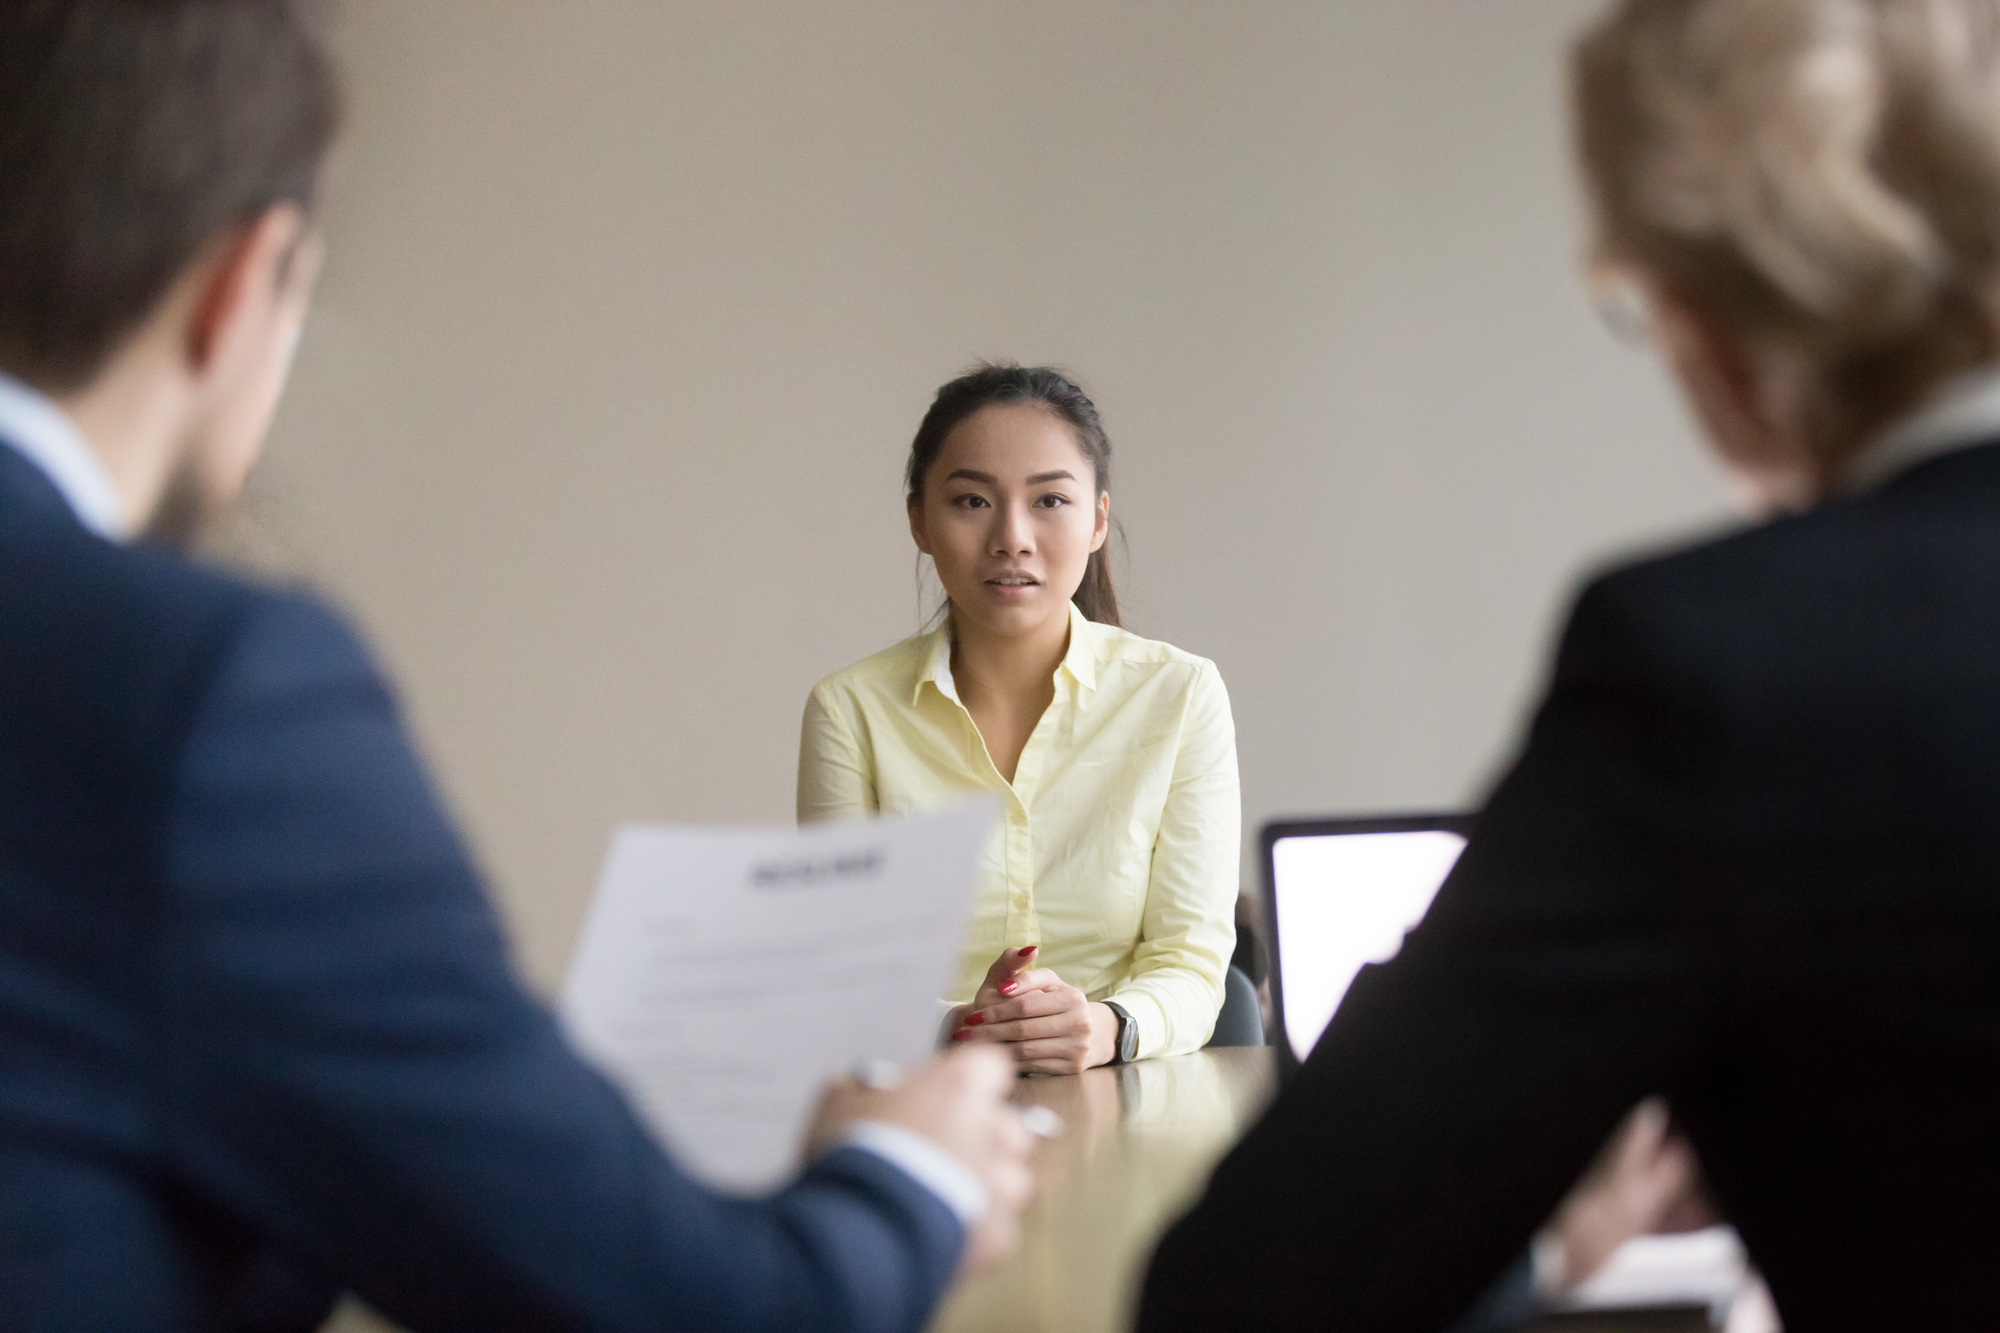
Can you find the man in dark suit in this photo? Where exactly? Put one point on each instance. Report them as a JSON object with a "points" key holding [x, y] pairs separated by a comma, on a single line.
{"points": [[1749, 858], [259, 1038]]}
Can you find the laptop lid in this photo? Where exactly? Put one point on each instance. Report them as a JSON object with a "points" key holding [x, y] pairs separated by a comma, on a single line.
{"points": [[1340, 894]]}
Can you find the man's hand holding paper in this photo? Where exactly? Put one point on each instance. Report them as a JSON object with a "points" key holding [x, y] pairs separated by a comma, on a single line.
{"points": [[957, 1102], [724, 977]]}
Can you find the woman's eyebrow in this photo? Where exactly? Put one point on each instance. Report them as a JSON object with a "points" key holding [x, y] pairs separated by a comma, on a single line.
{"points": [[988, 479]]}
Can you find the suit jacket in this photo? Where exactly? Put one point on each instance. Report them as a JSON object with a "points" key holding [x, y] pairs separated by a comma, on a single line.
{"points": [[259, 1036], [1749, 858]]}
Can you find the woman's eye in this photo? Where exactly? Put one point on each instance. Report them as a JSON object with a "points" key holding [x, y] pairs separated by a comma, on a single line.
{"points": [[1051, 501], [972, 502]]}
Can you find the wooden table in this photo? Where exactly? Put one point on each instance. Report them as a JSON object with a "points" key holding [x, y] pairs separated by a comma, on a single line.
{"points": [[1139, 1144]]}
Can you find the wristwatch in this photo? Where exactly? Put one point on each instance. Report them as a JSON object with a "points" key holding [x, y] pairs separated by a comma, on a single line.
{"points": [[1128, 1034]]}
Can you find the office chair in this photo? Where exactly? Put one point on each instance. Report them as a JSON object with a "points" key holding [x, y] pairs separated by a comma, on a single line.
{"points": [[1241, 1022]]}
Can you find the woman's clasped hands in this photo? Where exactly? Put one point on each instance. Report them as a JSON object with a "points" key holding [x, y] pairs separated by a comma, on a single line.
{"points": [[1050, 1026]]}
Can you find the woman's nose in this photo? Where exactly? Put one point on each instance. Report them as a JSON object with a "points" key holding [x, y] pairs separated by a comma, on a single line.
{"points": [[1013, 534]]}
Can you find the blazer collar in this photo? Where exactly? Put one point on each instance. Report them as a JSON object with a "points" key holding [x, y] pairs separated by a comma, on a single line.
{"points": [[28, 497], [1962, 413]]}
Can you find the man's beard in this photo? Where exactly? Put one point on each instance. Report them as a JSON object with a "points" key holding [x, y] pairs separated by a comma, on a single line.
{"points": [[185, 513]]}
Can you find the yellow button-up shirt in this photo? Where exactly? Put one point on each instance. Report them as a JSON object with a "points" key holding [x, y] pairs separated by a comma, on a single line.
{"points": [[1118, 853]]}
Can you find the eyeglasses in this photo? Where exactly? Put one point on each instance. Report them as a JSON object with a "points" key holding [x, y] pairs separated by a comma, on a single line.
{"points": [[1624, 302]]}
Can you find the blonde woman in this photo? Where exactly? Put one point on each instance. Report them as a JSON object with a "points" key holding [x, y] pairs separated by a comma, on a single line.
{"points": [[1104, 919], [1749, 859]]}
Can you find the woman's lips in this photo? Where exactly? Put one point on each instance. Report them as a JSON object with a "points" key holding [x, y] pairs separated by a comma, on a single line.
{"points": [[1013, 585]]}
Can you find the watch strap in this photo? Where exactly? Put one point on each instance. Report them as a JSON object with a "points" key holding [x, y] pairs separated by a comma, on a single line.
{"points": [[1128, 1034]]}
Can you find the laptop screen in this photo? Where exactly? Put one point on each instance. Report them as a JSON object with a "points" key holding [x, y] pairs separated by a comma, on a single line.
{"points": [[1342, 895]]}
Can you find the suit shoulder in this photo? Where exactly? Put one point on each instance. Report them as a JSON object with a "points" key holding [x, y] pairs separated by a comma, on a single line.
{"points": [[95, 620], [1792, 564], [1689, 561], [133, 636], [87, 581], [1833, 598]]}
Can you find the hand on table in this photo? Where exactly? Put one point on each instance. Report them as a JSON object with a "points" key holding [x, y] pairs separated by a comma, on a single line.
{"points": [[1051, 1027], [1647, 1181], [959, 1102]]}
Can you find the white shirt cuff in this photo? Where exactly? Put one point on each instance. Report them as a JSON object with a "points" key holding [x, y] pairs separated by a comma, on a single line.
{"points": [[954, 1184], [1545, 1261]]}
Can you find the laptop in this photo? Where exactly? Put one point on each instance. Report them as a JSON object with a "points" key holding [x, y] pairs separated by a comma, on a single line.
{"points": [[1340, 894]]}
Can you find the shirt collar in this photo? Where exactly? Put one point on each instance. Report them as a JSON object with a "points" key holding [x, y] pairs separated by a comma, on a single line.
{"points": [[935, 664], [1080, 660], [43, 434], [1964, 412]]}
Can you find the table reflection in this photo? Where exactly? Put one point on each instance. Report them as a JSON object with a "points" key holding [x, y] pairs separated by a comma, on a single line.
{"points": [[1139, 1142]]}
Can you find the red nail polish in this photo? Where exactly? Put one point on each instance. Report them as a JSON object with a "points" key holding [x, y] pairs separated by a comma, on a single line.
{"points": [[1010, 988], [1030, 949], [961, 1035], [974, 1020]]}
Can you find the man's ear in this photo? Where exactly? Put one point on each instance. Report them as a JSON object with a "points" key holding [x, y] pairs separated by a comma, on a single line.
{"points": [[919, 532], [243, 277]]}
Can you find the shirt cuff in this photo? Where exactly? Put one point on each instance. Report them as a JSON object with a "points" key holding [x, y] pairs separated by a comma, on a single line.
{"points": [[1148, 1015], [1545, 1262], [956, 1187]]}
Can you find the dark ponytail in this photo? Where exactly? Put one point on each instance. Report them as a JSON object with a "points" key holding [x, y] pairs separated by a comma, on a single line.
{"points": [[993, 385]]}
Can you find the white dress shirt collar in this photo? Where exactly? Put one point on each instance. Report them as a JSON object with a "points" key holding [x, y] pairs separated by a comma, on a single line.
{"points": [[1964, 411], [43, 434]]}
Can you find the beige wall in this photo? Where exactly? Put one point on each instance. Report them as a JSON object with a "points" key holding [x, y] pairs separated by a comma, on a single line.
{"points": [[633, 307]]}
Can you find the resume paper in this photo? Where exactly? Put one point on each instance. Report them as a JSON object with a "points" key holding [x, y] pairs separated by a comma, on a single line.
{"points": [[724, 975]]}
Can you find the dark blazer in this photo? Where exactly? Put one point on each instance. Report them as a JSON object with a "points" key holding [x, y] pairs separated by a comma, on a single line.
{"points": [[1749, 858], [259, 1038]]}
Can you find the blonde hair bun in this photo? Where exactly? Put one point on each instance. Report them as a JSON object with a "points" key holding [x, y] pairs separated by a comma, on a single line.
{"points": [[1817, 176]]}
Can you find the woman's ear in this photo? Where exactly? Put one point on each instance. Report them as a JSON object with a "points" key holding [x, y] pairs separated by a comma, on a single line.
{"points": [[1101, 532], [1725, 384], [919, 532]]}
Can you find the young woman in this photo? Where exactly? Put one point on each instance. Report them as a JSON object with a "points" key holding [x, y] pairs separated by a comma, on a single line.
{"points": [[1102, 925]]}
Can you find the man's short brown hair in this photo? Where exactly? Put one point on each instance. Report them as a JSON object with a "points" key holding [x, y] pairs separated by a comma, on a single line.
{"points": [[132, 134]]}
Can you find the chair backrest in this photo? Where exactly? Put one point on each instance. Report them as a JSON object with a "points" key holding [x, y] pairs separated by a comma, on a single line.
{"points": [[1241, 1022], [1340, 894]]}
